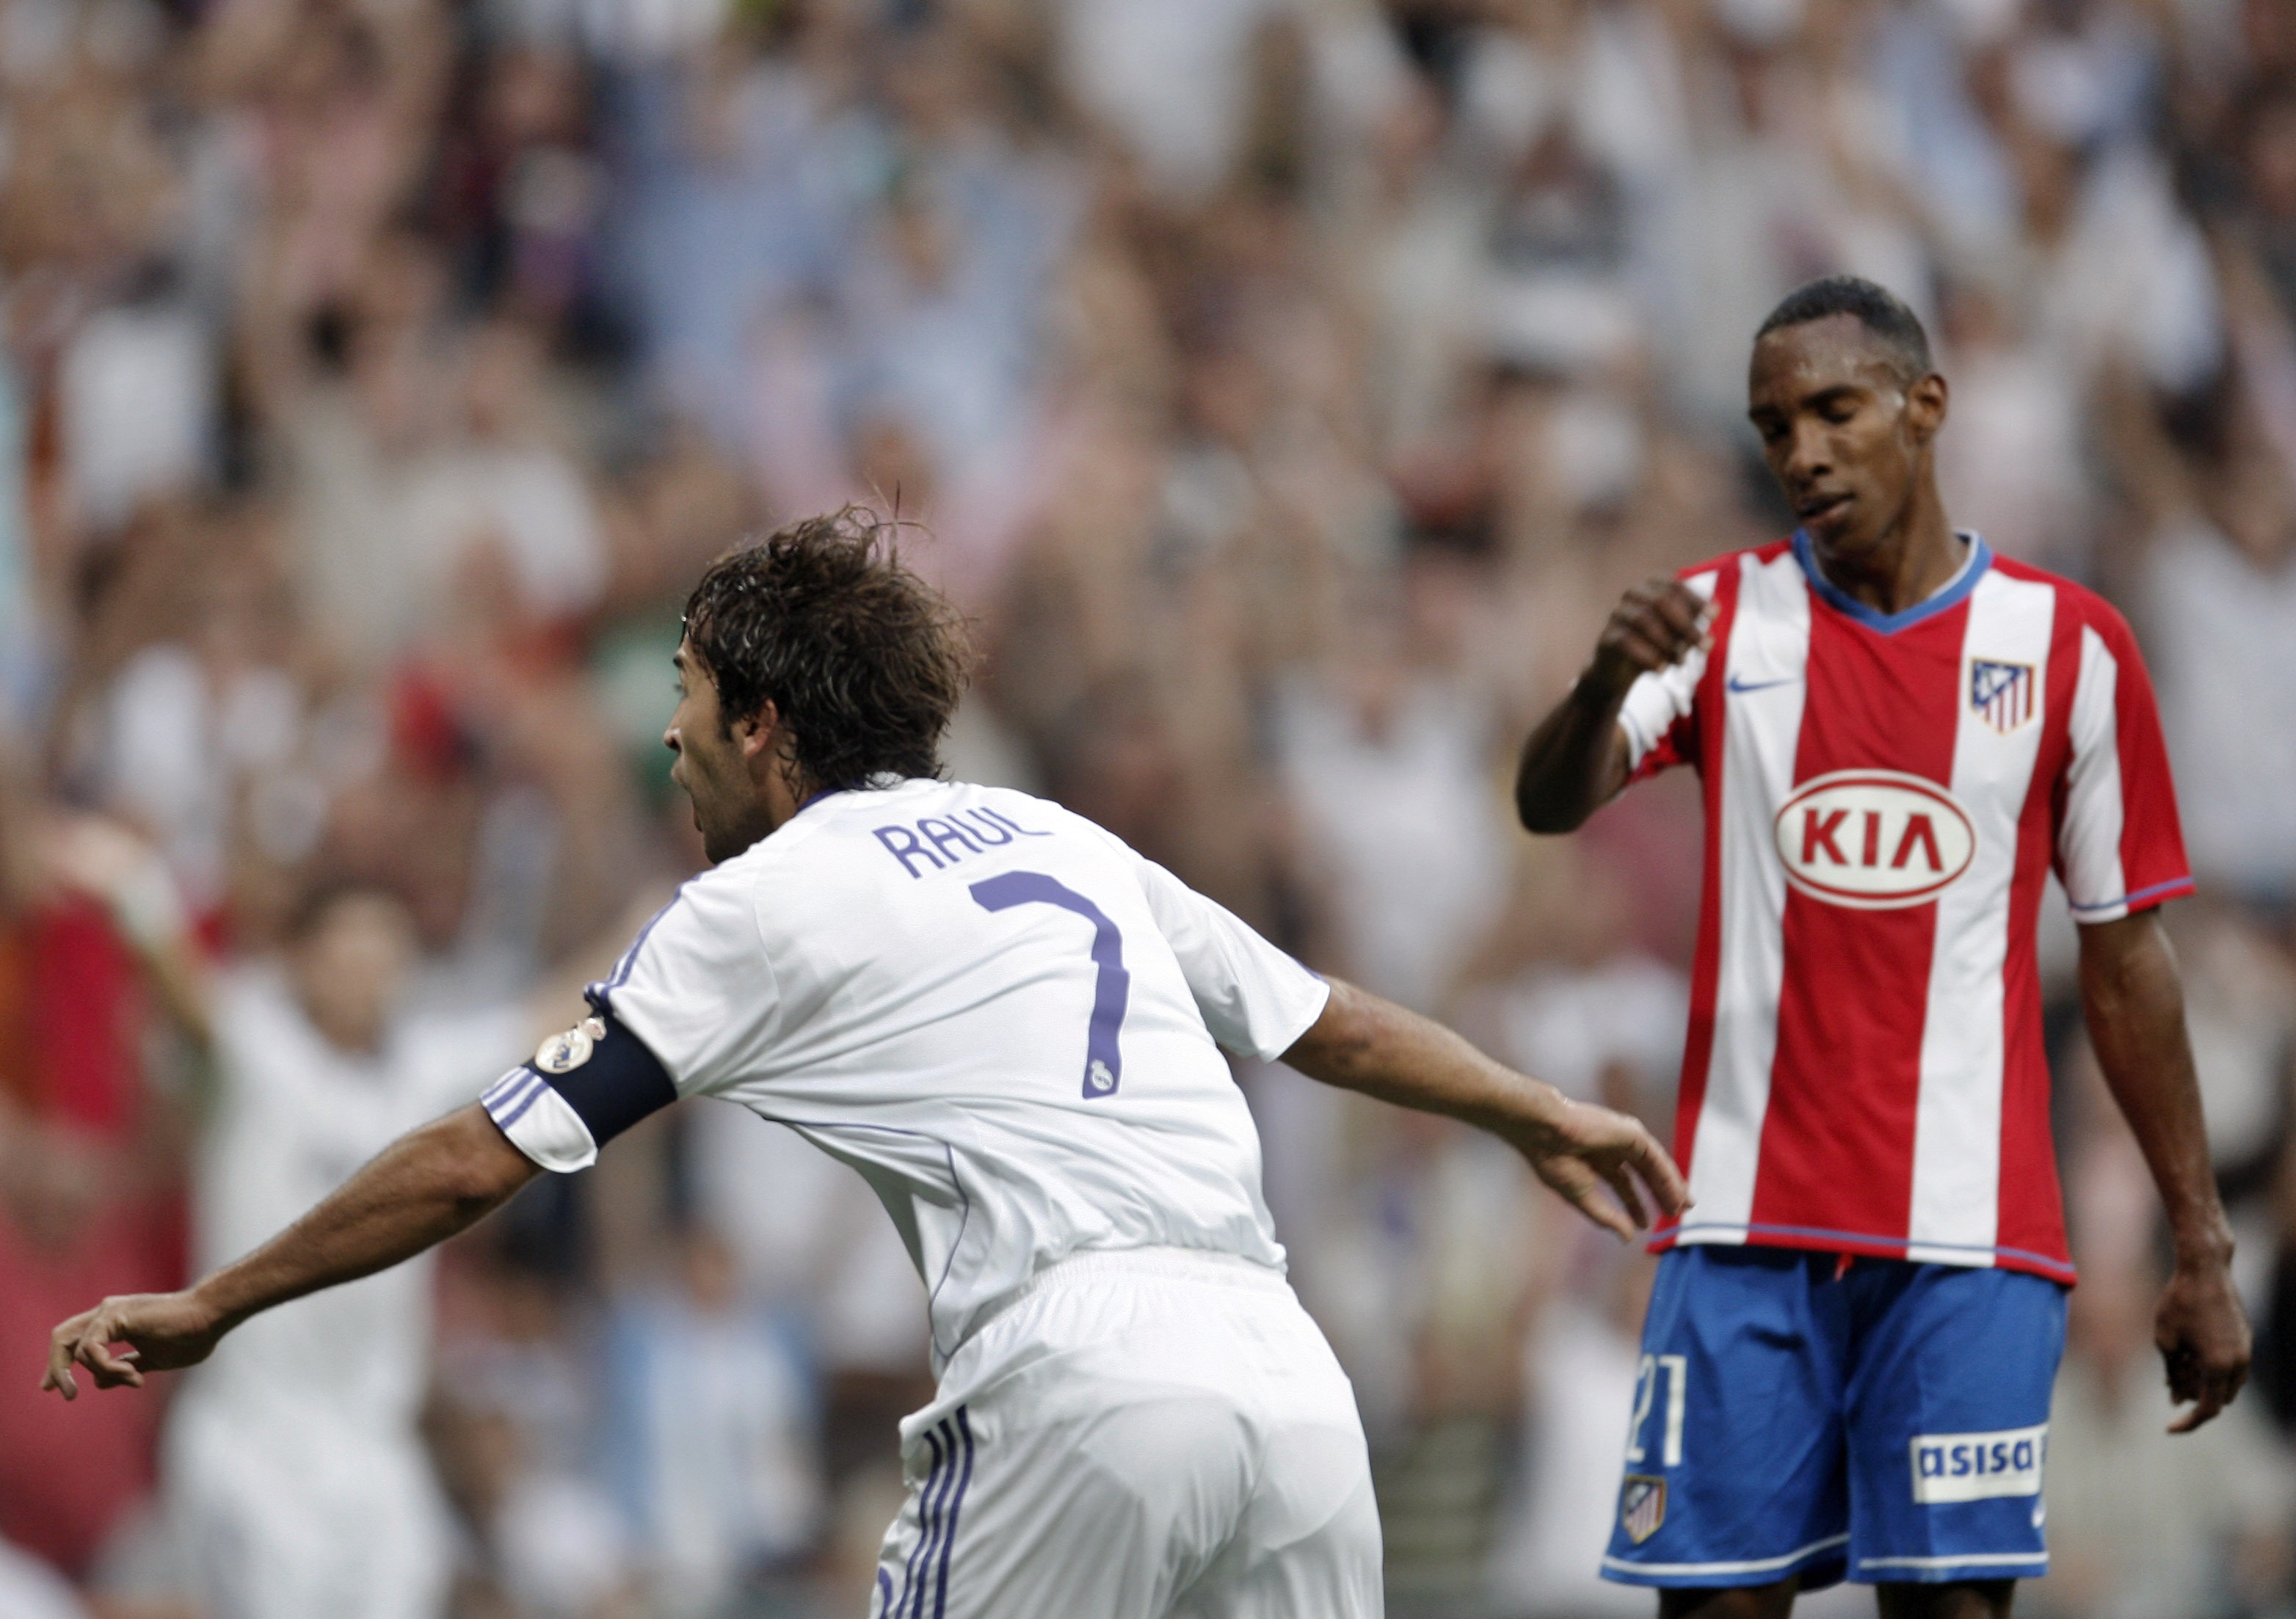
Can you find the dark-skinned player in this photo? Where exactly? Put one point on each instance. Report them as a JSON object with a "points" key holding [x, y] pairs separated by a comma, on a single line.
{"points": [[1854, 1329]]}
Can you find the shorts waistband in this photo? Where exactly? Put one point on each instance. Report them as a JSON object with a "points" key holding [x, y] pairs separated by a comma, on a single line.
{"points": [[1171, 1264]]}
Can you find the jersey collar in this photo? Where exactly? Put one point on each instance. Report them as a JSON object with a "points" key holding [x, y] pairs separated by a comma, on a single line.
{"points": [[1951, 594], [875, 784]]}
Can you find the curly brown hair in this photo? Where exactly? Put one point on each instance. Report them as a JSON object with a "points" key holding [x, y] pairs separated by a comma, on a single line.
{"points": [[863, 660]]}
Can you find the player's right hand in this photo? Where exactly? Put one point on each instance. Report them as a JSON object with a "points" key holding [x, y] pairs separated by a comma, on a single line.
{"points": [[163, 1331], [1657, 622]]}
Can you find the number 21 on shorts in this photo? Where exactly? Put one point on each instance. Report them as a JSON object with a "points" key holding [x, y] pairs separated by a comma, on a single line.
{"points": [[1674, 1369], [1103, 1060]]}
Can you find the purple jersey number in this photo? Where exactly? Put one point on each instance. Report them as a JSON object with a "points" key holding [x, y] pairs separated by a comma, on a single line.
{"points": [[1103, 1063]]}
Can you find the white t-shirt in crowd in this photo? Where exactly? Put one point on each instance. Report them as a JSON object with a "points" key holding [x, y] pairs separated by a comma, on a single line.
{"points": [[2219, 628], [294, 1118], [1005, 1019]]}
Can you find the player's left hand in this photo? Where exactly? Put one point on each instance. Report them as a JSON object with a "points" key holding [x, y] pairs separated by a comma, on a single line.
{"points": [[163, 1331], [1585, 1148], [2204, 1340]]}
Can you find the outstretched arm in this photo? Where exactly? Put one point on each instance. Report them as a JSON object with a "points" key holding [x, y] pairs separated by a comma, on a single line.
{"points": [[2135, 1009], [423, 1188], [1364, 1044], [1575, 761]]}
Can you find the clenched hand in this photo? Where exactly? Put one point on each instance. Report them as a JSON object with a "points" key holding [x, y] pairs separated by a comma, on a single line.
{"points": [[1657, 624], [2205, 1341]]}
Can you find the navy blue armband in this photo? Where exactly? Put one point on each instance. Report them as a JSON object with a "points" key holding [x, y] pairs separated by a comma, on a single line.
{"points": [[606, 1073]]}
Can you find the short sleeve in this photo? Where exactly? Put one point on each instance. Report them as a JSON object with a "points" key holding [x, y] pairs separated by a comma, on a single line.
{"points": [[2120, 848], [695, 985], [1255, 1000], [684, 1010], [1659, 717]]}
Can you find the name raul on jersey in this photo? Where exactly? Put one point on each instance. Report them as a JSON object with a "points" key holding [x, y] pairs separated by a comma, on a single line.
{"points": [[932, 842], [1874, 839]]}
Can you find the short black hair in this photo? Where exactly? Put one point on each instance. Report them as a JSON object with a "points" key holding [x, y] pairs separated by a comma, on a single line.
{"points": [[863, 660], [1875, 307]]}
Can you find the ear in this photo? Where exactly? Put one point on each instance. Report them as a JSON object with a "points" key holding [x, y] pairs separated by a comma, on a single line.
{"points": [[1926, 403], [759, 736]]}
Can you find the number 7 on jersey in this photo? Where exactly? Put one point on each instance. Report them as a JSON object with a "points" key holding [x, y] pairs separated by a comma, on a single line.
{"points": [[1103, 1061]]}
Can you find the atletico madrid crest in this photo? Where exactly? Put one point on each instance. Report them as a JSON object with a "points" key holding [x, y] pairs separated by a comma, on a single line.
{"points": [[1642, 1506], [2002, 693]]}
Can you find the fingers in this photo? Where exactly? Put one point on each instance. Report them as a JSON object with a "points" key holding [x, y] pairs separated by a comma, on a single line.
{"points": [[2210, 1402], [1655, 626], [2219, 1387], [1622, 1187], [1658, 624], [1612, 1149], [61, 1345], [2183, 1367], [86, 1340], [1661, 1173], [1684, 611], [1580, 1185], [1591, 1203], [94, 1350], [2209, 1388], [1643, 650]]}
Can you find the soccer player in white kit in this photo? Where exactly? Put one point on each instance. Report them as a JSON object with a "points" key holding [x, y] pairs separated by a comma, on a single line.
{"points": [[1010, 1024]]}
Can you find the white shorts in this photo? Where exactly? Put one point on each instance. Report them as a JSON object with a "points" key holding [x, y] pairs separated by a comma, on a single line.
{"points": [[1138, 1435], [281, 1523]]}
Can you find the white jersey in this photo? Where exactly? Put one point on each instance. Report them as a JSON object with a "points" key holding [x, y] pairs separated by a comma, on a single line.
{"points": [[293, 1118], [1004, 1018]]}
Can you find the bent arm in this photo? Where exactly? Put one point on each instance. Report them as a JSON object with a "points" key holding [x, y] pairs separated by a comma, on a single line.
{"points": [[429, 1185], [2135, 1006], [1364, 1044], [1574, 763], [1578, 759]]}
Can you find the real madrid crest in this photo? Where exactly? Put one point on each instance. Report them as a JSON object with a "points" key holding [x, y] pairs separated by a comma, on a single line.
{"points": [[561, 1053]]}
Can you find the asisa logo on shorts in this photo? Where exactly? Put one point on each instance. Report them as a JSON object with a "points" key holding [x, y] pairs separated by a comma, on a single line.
{"points": [[1642, 1507], [1874, 839], [1978, 1466]]}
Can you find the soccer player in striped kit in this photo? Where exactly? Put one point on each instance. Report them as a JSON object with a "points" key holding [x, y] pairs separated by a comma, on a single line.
{"points": [[1856, 1325]]}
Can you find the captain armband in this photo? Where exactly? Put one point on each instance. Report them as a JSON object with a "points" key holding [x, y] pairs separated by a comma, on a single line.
{"points": [[583, 1088]]}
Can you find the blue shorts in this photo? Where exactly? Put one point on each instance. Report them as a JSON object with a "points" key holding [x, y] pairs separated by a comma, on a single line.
{"points": [[1886, 1423]]}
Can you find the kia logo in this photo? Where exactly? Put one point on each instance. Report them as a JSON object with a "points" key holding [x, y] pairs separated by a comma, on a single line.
{"points": [[1874, 839]]}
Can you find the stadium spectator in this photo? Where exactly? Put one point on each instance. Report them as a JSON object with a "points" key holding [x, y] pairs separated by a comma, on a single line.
{"points": [[294, 1471], [710, 1402]]}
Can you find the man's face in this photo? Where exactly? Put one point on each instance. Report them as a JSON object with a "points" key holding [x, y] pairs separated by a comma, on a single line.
{"points": [[349, 967], [1846, 436], [713, 767]]}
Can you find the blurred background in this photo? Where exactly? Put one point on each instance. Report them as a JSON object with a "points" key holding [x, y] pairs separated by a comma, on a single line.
{"points": [[1287, 389]]}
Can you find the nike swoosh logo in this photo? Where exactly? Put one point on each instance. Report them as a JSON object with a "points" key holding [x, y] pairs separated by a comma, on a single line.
{"points": [[1735, 684]]}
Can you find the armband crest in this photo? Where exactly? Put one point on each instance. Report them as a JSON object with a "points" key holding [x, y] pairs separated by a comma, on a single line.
{"points": [[563, 1053]]}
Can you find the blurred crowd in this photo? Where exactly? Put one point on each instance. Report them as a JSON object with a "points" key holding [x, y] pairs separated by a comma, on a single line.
{"points": [[1286, 389]]}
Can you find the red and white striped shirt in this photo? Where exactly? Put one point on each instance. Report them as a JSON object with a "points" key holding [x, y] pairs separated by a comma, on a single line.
{"points": [[1885, 796]]}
